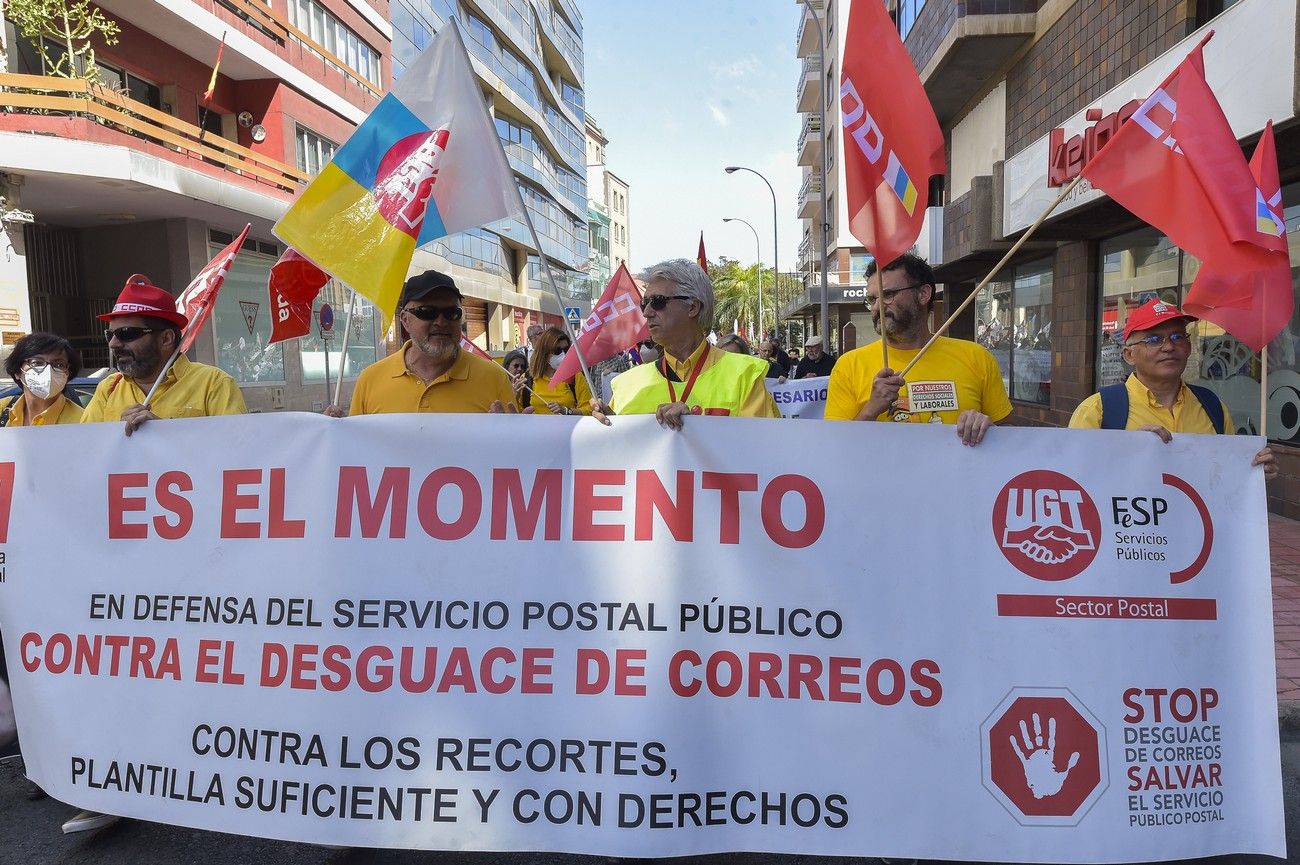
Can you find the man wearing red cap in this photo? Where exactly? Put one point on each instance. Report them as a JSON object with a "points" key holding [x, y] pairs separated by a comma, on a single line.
{"points": [[1155, 398], [144, 331]]}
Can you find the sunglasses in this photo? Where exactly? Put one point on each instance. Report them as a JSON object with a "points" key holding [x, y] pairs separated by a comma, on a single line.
{"points": [[431, 313], [658, 301], [127, 334]]}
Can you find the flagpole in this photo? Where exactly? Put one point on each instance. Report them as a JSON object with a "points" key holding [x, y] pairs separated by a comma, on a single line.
{"points": [[162, 375], [343, 350], [1263, 392], [943, 328]]}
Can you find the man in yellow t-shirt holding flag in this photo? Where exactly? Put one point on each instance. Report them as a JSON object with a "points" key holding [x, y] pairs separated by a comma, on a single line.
{"points": [[955, 382]]}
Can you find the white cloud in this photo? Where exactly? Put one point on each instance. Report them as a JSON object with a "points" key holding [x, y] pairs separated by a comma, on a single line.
{"points": [[718, 116], [741, 68]]}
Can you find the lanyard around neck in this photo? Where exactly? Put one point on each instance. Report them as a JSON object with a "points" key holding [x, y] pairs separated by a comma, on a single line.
{"points": [[690, 380]]}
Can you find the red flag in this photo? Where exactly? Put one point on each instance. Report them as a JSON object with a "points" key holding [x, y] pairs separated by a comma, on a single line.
{"points": [[615, 324], [1252, 299], [293, 287], [212, 82], [892, 141], [700, 258], [466, 345], [1177, 165], [198, 298]]}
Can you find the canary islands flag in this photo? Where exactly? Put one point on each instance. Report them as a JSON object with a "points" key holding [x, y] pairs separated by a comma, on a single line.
{"points": [[425, 163]]}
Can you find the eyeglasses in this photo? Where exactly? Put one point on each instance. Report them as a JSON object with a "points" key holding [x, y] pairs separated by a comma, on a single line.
{"points": [[658, 301], [1156, 340], [127, 334], [38, 365], [431, 313], [887, 294]]}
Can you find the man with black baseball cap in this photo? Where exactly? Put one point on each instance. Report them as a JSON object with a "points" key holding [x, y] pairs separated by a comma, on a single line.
{"points": [[1155, 398], [430, 373]]}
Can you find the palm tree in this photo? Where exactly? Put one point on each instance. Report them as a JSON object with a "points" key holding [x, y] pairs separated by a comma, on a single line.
{"points": [[735, 291]]}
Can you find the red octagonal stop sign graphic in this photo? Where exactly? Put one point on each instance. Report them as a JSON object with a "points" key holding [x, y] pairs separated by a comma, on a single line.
{"points": [[1044, 756]]}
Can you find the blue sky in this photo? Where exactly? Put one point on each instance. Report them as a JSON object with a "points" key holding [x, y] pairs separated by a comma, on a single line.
{"points": [[683, 89]]}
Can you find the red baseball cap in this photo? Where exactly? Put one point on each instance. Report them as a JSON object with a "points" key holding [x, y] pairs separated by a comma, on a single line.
{"points": [[141, 297], [1152, 313]]}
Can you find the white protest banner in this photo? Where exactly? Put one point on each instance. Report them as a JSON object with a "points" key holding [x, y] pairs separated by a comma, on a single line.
{"points": [[803, 398], [516, 633]]}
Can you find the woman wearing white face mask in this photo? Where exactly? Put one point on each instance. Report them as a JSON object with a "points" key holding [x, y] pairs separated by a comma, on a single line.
{"points": [[41, 364], [572, 397]]}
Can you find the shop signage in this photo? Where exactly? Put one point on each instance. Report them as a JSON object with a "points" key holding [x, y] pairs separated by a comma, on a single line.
{"points": [[1065, 159]]}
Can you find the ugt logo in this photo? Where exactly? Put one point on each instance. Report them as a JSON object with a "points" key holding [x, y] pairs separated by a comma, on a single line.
{"points": [[1046, 525], [406, 177]]}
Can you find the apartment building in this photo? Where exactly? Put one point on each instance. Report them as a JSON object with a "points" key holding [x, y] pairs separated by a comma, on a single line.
{"points": [[608, 194], [135, 172], [528, 54]]}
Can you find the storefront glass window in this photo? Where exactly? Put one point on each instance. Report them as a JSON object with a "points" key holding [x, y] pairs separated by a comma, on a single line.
{"points": [[361, 341], [1142, 265], [241, 321], [1014, 322]]}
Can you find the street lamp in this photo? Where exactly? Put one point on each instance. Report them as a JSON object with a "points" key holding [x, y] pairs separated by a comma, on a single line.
{"points": [[776, 271], [758, 260], [826, 225]]}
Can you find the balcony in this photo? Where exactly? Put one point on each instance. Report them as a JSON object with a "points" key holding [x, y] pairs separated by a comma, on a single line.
{"points": [[810, 140], [809, 90], [805, 250], [810, 198], [806, 41], [974, 45], [45, 105], [260, 43]]}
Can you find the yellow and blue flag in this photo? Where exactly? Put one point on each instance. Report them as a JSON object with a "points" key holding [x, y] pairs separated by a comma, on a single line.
{"points": [[426, 163]]}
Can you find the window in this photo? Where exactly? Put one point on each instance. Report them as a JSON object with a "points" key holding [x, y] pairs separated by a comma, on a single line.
{"points": [[314, 152], [1142, 265], [130, 85], [361, 337], [241, 321], [336, 38], [1014, 322], [908, 11]]}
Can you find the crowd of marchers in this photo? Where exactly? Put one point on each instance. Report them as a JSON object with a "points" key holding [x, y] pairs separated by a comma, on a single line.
{"points": [[685, 369]]}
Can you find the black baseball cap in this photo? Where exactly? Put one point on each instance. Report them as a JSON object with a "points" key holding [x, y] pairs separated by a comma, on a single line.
{"points": [[425, 283]]}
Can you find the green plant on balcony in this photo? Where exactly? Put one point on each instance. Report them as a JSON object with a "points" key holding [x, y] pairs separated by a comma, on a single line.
{"points": [[67, 27]]}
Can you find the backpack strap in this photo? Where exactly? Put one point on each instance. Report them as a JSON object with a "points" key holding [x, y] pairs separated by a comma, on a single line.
{"points": [[1114, 406], [1210, 402]]}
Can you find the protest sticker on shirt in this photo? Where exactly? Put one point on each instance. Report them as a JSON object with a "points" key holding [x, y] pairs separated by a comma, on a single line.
{"points": [[932, 396]]}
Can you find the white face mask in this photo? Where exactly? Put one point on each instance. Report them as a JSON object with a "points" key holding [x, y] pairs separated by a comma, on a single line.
{"points": [[557, 358], [45, 382]]}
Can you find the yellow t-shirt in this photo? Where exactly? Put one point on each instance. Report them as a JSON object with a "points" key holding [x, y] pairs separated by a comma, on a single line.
{"points": [[1187, 415], [472, 384], [953, 369], [579, 397], [63, 410], [728, 384], [189, 390]]}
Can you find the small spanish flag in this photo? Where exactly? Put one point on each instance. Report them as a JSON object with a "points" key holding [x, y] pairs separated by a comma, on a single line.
{"points": [[700, 257], [212, 82]]}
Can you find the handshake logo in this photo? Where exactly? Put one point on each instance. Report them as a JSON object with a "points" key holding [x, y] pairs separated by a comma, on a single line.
{"points": [[1046, 525]]}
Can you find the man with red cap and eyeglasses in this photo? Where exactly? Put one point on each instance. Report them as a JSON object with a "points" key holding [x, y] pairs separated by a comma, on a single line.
{"points": [[144, 330], [1155, 398]]}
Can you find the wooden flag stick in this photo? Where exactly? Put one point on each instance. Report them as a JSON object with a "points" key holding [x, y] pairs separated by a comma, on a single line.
{"points": [[943, 328], [1263, 393]]}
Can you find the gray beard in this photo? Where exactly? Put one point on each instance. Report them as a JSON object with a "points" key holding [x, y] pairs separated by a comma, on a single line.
{"points": [[438, 354]]}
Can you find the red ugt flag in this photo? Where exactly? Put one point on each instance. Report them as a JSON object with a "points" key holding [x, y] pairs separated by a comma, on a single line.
{"points": [[892, 142], [1253, 299], [198, 298], [615, 324], [293, 287]]}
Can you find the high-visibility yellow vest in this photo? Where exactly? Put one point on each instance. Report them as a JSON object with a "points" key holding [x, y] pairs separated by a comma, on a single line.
{"points": [[720, 389]]}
